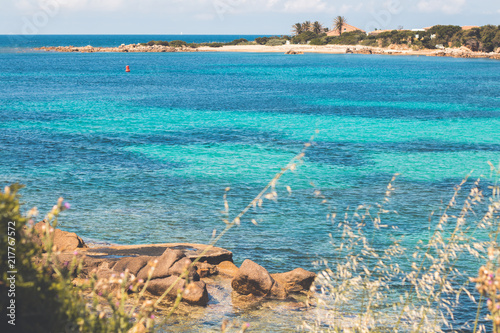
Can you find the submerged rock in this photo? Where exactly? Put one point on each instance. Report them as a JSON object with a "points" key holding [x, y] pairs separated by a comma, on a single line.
{"points": [[256, 280], [227, 268], [252, 279], [295, 281], [205, 269], [167, 262], [171, 262], [193, 293]]}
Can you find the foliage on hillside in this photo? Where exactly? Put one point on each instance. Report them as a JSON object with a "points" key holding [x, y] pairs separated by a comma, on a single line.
{"points": [[485, 39]]}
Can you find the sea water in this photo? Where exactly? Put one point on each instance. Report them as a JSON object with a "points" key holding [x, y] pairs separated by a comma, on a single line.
{"points": [[146, 156]]}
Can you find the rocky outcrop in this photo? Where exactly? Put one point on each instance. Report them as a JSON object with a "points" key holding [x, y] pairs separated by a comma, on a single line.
{"points": [[170, 268], [194, 293], [110, 282], [210, 254], [256, 280], [464, 52], [363, 51], [298, 280], [205, 269], [133, 264], [166, 271], [121, 48], [291, 51], [227, 268], [62, 240]]}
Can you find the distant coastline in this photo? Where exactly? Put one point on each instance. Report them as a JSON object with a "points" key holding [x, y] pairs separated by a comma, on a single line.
{"points": [[461, 52]]}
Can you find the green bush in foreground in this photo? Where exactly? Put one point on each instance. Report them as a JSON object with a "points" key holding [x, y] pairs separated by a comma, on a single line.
{"points": [[40, 295], [38, 301]]}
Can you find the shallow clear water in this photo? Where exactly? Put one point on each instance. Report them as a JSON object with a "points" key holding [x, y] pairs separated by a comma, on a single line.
{"points": [[144, 157]]}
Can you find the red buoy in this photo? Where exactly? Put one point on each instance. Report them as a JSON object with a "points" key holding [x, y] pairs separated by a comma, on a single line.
{"points": [[127, 69]]}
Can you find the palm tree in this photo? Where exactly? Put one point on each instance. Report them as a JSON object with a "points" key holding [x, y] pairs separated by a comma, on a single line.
{"points": [[297, 29], [306, 26], [338, 24], [317, 27]]}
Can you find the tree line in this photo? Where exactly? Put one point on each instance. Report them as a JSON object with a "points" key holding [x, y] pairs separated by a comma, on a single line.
{"points": [[484, 39]]}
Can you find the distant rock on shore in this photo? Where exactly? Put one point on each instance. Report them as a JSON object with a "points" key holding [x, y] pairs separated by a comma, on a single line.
{"points": [[121, 48], [462, 52], [291, 51]]}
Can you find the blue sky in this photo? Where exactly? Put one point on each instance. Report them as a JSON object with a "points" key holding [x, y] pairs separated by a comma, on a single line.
{"points": [[232, 16]]}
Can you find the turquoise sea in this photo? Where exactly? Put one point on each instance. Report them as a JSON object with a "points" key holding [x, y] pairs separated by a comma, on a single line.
{"points": [[146, 156]]}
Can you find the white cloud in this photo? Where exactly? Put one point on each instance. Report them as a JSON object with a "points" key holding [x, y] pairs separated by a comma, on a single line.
{"points": [[28, 6], [271, 6], [204, 16], [344, 9], [302, 6], [97, 5], [444, 6]]}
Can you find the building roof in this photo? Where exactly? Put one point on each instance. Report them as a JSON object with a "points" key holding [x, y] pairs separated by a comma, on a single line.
{"points": [[346, 28]]}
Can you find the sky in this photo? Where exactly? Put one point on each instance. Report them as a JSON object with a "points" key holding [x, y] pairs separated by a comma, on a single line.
{"points": [[233, 16]]}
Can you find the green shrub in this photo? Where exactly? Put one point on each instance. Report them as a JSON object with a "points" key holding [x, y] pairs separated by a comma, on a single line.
{"points": [[445, 32], [304, 37], [369, 42], [45, 298], [318, 41], [238, 41], [347, 38], [215, 44], [158, 42], [178, 43], [275, 42], [261, 40]]}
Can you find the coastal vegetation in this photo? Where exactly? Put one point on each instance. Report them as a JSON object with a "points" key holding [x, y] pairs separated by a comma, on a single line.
{"points": [[269, 41], [43, 295], [482, 39]]}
